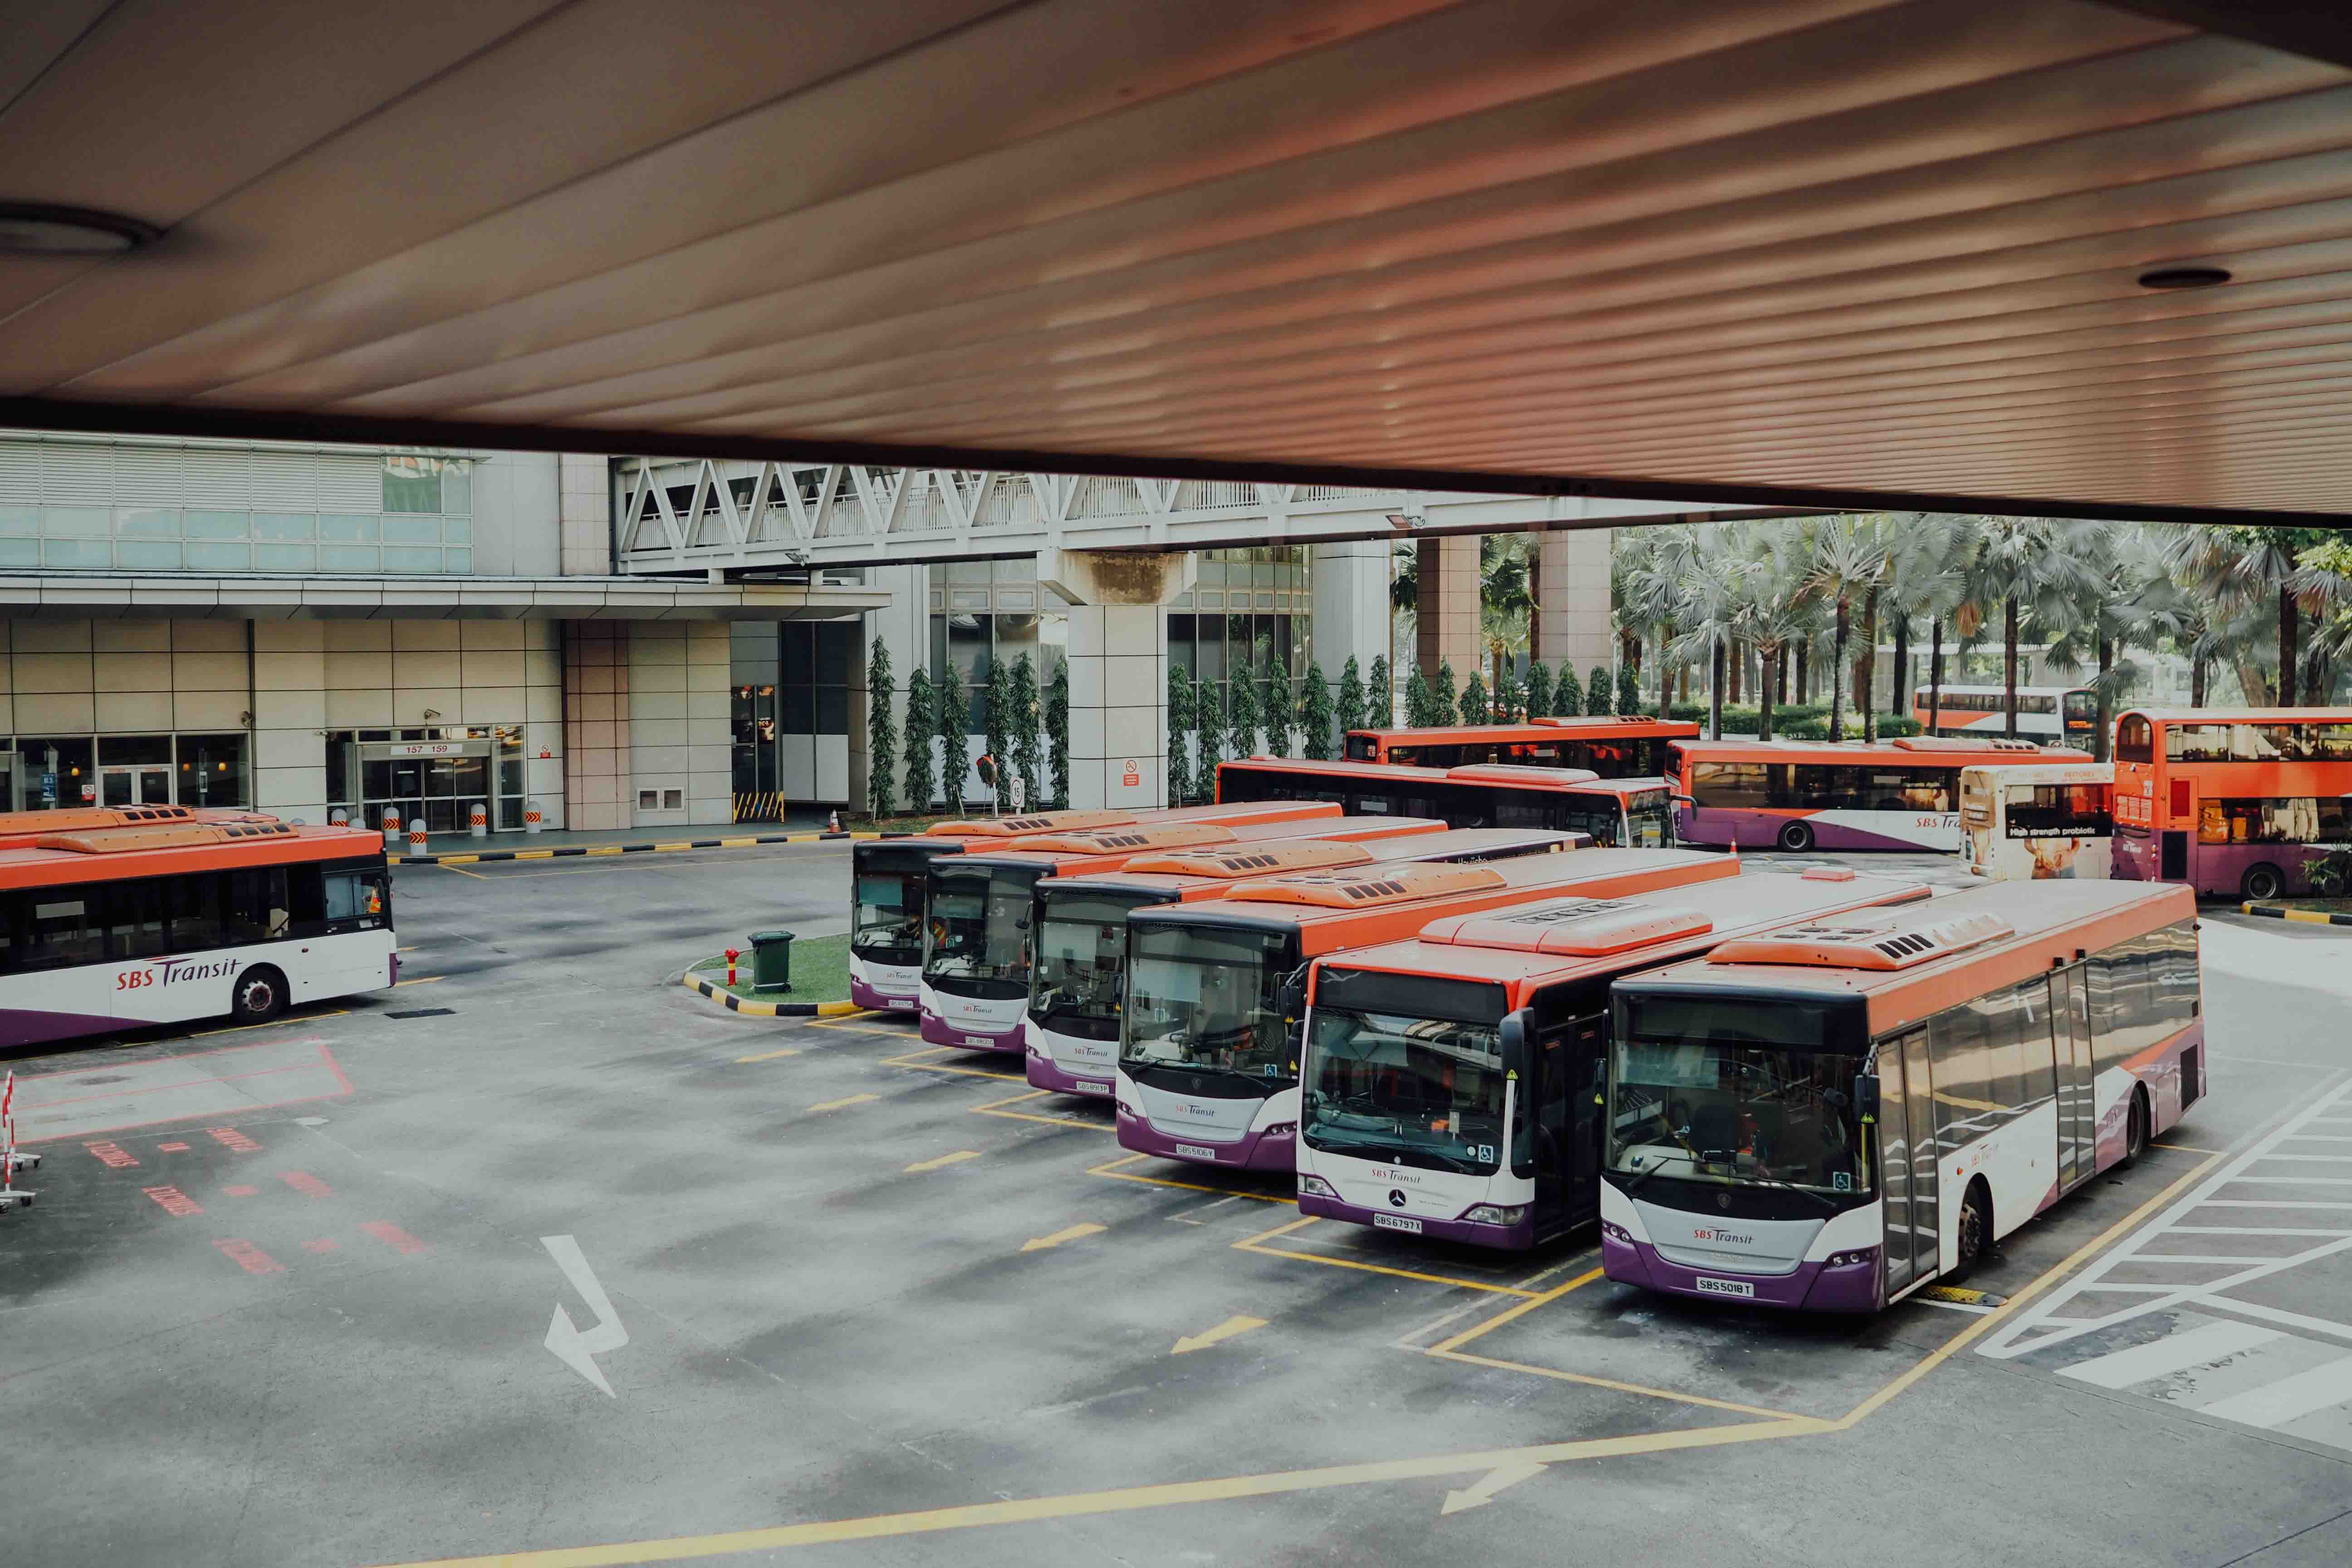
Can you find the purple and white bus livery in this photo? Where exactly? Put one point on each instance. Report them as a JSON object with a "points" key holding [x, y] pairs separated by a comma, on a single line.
{"points": [[1831, 1116], [1805, 795]]}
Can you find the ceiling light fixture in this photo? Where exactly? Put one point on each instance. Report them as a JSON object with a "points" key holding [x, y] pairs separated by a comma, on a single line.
{"points": [[42, 228], [2183, 278]]}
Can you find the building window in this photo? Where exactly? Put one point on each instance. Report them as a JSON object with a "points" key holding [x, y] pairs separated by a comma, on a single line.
{"points": [[211, 770], [442, 487]]}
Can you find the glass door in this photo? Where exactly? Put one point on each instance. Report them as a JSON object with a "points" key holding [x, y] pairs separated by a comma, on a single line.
{"points": [[1919, 1116], [1895, 1165], [2078, 1111], [134, 785]]}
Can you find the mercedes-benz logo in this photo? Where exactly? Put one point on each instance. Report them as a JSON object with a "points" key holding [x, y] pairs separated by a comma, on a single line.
{"points": [[1723, 1200], [1396, 1197]]}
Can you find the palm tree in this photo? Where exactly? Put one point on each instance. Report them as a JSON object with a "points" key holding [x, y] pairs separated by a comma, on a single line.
{"points": [[2027, 565], [2239, 568], [1776, 607], [1927, 575], [1645, 576], [2129, 597], [1708, 572], [1506, 599], [1849, 559]]}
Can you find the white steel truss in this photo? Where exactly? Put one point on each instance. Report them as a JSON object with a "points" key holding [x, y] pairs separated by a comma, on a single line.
{"points": [[702, 514]]}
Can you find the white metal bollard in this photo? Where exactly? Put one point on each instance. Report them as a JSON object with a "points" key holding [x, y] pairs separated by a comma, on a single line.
{"points": [[416, 836], [339, 817], [391, 831], [477, 823], [531, 823]]}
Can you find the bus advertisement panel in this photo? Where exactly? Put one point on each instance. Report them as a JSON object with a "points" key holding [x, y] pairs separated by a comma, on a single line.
{"points": [[163, 922], [2233, 803], [886, 882], [2053, 715], [1621, 813], [1807, 794], [1450, 1082], [1208, 1063], [1077, 986], [1828, 1117], [2023, 822], [977, 909], [1600, 743]]}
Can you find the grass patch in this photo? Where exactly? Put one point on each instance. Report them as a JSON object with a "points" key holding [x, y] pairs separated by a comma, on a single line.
{"points": [[820, 971]]}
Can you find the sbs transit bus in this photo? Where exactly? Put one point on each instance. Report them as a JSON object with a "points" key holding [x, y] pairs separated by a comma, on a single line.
{"points": [[1607, 746], [1808, 795], [2237, 803], [1828, 1117], [978, 938], [886, 883], [1208, 1058], [1621, 814], [2023, 822], [1451, 1082], [162, 922], [1077, 984], [2057, 715]]}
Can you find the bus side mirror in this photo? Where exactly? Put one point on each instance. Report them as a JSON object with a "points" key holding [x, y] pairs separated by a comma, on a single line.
{"points": [[1294, 997], [1682, 800], [1519, 1071], [1865, 1099]]}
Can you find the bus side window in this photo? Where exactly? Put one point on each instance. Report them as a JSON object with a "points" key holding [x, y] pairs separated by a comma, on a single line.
{"points": [[258, 910], [356, 900], [57, 931], [135, 917], [195, 912]]}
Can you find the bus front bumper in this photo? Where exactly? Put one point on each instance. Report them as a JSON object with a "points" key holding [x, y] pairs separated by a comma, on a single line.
{"points": [[938, 1031], [1515, 1237], [1268, 1150], [1812, 1287]]}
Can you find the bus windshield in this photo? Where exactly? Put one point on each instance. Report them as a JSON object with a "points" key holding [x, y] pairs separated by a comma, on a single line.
{"points": [[1208, 999], [1649, 820], [886, 923], [980, 931], [1412, 1090], [1081, 962], [1733, 1091]]}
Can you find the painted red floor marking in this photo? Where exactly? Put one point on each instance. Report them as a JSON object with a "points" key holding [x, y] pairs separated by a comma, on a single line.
{"points": [[173, 1147], [112, 1156], [326, 1059], [249, 1258], [322, 1244], [229, 1138], [309, 1185], [175, 1203], [241, 1192], [392, 1236]]}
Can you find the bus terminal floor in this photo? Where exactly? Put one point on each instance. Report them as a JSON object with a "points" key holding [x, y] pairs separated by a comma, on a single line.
{"points": [[859, 1301]]}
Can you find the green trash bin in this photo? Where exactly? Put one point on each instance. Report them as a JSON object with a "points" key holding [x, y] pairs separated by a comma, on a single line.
{"points": [[772, 961]]}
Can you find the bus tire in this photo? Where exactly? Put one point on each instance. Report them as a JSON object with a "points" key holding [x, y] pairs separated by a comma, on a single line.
{"points": [[1975, 1238], [1796, 836], [2262, 881], [257, 995], [2136, 1123]]}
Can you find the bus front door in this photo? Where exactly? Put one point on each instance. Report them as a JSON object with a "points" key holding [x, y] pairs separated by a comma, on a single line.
{"points": [[1894, 1162], [2078, 1110], [1919, 1119]]}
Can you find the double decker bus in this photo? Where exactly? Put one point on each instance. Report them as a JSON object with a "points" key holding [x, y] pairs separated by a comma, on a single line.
{"points": [[162, 921], [1077, 986], [1208, 1058], [978, 907], [1601, 744], [1828, 1117], [1450, 1085], [2231, 802], [886, 897], [2055, 715], [1621, 813], [1809, 794], [2023, 822]]}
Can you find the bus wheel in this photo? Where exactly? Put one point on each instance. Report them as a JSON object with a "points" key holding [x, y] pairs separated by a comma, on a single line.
{"points": [[1975, 1229], [260, 995], [1797, 837], [2135, 1130], [2262, 881]]}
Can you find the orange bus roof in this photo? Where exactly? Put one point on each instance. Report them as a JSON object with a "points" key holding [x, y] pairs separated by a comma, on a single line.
{"points": [[1216, 873], [1089, 821], [1112, 847], [1511, 774], [1535, 729], [2242, 715], [122, 854], [1954, 751]]}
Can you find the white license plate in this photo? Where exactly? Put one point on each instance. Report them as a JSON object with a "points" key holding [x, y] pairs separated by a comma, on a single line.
{"points": [[1396, 1221], [980, 1042], [1195, 1152], [1707, 1287], [1086, 1086]]}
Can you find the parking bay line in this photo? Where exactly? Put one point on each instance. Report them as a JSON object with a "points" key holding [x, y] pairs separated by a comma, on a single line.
{"points": [[991, 1109], [1251, 1243], [1116, 1169]]}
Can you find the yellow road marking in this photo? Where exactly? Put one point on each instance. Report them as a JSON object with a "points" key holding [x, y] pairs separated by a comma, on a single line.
{"points": [[1113, 1169], [1067, 1233], [845, 1022], [845, 1100], [2185, 1148], [461, 871], [422, 980], [909, 1061], [1251, 1245], [958, 1158], [1529, 1305], [991, 1109], [1223, 1330], [768, 1056], [272, 1024]]}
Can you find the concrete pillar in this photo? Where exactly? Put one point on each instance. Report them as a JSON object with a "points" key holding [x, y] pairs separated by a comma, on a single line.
{"points": [[596, 724], [1119, 672], [1573, 594], [1445, 615], [290, 716], [584, 497], [1351, 605]]}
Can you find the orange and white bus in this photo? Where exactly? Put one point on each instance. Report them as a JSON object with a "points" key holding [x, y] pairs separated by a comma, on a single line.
{"points": [[2237, 803], [2023, 822], [1829, 1117], [115, 928], [1078, 983], [1601, 744], [2054, 715], [1808, 795], [978, 907], [1208, 1061], [885, 884], [1620, 813], [1451, 1082]]}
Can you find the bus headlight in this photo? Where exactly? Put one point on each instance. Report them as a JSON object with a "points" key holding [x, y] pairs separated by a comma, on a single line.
{"points": [[1280, 1130], [1496, 1214], [1849, 1260], [1616, 1232], [1316, 1187]]}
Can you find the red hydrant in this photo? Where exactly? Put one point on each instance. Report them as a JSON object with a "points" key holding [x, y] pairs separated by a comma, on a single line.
{"points": [[732, 953]]}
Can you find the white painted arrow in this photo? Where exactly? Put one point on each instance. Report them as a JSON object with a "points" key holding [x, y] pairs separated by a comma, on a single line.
{"points": [[1483, 1492], [574, 1349]]}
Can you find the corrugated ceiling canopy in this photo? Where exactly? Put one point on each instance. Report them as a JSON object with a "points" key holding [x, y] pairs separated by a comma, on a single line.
{"points": [[1779, 250]]}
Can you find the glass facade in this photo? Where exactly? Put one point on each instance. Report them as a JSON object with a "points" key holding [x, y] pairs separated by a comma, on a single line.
{"points": [[438, 773], [984, 611], [1266, 593], [42, 773]]}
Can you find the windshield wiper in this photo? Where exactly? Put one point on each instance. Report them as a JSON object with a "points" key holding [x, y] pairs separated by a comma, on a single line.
{"points": [[1823, 1199]]}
